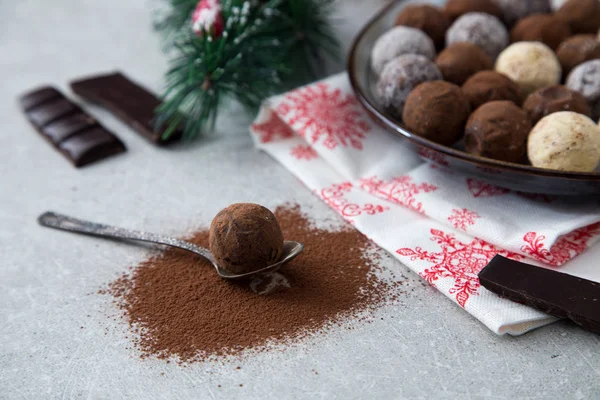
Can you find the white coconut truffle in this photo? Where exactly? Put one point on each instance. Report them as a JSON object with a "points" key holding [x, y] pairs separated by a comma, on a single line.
{"points": [[565, 141], [514, 10], [481, 29], [531, 65], [400, 76], [398, 41], [585, 79]]}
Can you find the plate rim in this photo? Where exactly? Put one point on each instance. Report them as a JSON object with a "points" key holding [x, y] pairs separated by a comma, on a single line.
{"points": [[395, 128]]}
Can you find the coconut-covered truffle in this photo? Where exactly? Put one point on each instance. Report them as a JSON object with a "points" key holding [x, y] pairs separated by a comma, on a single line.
{"points": [[531, 65], [545, 28], [565, 141], [398, 41], [483, 30], [461, 60], [514, 10], [245, 237], [576, 50], [437, 111], [585, 79], [429, 19], [498, 130], [486, 86], [583, 16], [555, 98], [457, 8], [400, 76]]}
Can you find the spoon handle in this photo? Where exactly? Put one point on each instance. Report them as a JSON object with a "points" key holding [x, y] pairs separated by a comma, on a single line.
{"points": [[58, 221]]}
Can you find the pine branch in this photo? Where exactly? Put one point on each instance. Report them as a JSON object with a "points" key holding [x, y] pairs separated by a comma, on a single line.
{"points": [[265, 47]]}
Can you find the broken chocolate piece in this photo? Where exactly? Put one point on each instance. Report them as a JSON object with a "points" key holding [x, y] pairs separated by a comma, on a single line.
{"points": [[131, 103], [68, 128], [552, 292]]}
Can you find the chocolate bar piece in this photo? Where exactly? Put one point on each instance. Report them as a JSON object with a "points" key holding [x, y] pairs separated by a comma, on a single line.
{"points": [[552, 292], [68, 128], [131, 103]]}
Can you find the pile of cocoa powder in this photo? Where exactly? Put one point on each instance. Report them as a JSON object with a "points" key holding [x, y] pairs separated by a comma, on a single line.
{"points": [[178, 307]]}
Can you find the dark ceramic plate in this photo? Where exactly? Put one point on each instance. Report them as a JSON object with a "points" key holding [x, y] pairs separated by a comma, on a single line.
{"points": [[522, 178]]}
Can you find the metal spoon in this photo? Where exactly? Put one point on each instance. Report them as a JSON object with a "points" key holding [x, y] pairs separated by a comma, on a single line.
{"points": [[53, 220]]}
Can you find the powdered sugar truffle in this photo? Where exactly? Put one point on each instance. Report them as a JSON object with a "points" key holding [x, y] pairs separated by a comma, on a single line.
{"points": [[585, 79], [398, 41], [400, 76], [483, 30], [514, 10]]}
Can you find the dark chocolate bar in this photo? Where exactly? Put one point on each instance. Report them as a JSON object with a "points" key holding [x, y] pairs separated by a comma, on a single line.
{"points": [[552, 292], [68, 128], [131, 103]]}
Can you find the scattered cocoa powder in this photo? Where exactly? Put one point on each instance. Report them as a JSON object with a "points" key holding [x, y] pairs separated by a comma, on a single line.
{"points": [[178, 307]]}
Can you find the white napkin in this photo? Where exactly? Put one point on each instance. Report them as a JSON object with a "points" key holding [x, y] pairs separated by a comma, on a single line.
{"points": [[444, 226]]}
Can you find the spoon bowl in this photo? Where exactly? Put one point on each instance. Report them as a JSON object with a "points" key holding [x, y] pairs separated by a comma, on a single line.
{"points": [[58, 221]]}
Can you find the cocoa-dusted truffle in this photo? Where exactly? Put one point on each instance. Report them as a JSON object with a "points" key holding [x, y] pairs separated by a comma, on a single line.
{"points": [[486, 86], [545, 28], [582, 15], [553, 99], [514, 10], [565, 141], [457, 8], [400, 76], [531, 65], [585, 79], [245, 237], [437, 111], [498, 130], [429, 19], [461, 60], [576, 50], [398, 41], [484, 30]]}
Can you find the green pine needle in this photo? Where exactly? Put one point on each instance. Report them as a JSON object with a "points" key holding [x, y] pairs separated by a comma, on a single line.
{"points": [[265, 47]]}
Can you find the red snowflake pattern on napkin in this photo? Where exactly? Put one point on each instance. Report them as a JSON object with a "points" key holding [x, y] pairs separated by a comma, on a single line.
{"points": [[319, 113], [303, 152], [401, 190], [335, 197], [273, 128], [564, 249], [456, 260], [463, 218]]}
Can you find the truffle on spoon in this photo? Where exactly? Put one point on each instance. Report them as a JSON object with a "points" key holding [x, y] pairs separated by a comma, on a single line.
{"points": [[245, 237]]}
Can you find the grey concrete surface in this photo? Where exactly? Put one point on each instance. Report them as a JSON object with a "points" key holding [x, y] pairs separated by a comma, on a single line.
{"points": [[56, 341]]}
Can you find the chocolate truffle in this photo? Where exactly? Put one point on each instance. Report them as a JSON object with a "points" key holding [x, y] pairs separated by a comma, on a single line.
{"points": [[457, 8], [553, 99], [585, 79], [498, 130], [484, 30], [531, 65], [437, 111], [514, 10], [398, 41], [576, 50], [400, 76], [245, 237], [486, 86], [545, 28], [565, 141], [429, 19], [461, 60], [582, 15]]}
